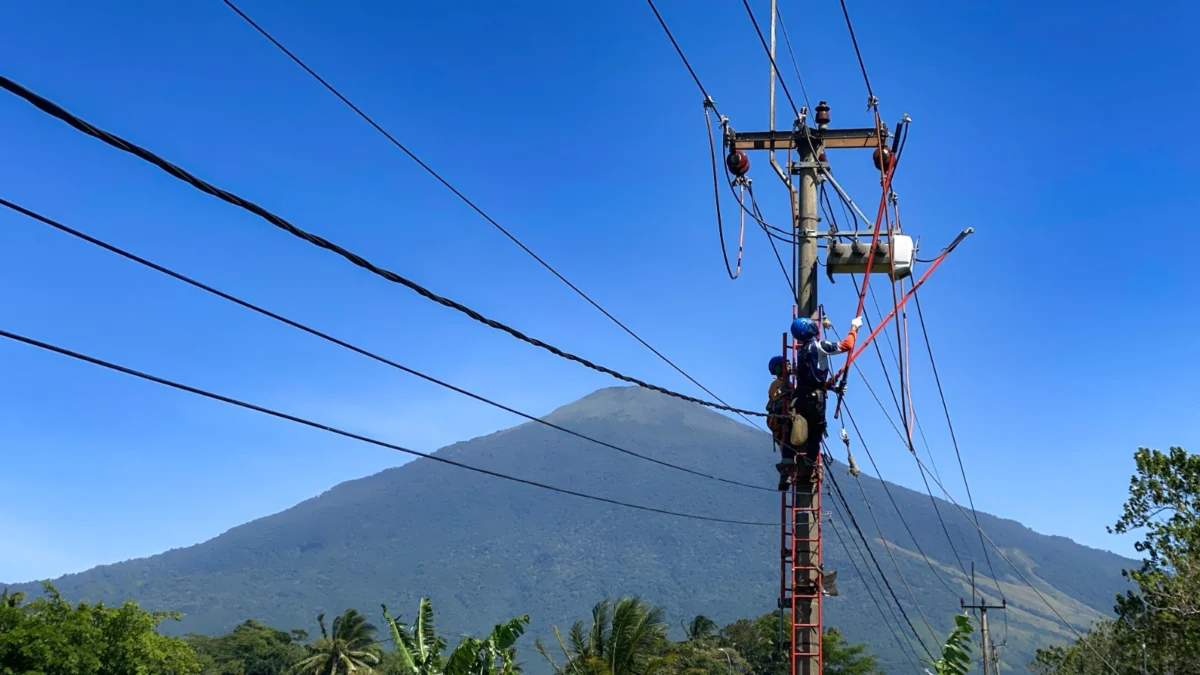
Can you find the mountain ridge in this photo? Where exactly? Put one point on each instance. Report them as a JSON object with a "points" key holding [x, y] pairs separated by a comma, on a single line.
{"points": [[486, 549]]}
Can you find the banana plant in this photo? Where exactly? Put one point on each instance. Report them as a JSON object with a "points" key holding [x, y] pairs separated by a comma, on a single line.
{"points": [[956, 653], [420, 648]]}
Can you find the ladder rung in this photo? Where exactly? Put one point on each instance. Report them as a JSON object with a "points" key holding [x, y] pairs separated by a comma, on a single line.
{"points": [[805, 625], [806, 654]]}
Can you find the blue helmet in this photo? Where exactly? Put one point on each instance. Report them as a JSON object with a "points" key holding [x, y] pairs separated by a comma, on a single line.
{"points": [[775, 365], [804, 329]]}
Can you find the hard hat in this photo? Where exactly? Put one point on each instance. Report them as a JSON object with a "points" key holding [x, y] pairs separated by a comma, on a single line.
{"points": [[775, 365], [804, 329]]}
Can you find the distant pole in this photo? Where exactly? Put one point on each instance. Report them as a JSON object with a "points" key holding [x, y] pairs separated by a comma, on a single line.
{"points": [[728, 661], [991, 665]]}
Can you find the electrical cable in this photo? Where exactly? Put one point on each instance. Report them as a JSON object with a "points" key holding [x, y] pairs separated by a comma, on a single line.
{"points": [[954, 441], [792, 54], [346, 345], [712, 150], [779, 75], [905, 646], [858, 52], [1021, 574], [117, 142], [348, 434], [682, 57], [471, 204], [875, 561], [895, 505]]}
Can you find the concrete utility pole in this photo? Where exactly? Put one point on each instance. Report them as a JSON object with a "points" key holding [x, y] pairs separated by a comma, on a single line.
{"points": [[804, 580], [991, 665]]}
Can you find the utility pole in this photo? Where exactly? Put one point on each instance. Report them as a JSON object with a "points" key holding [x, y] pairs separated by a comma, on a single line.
{"points": [[804, 581], [991, 665]]}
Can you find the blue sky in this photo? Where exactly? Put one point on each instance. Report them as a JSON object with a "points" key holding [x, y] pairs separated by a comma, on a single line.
{"points": [[1063, 326]]}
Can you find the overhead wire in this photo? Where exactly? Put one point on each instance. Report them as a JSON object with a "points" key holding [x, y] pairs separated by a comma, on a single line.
{"points": [[115, 141], [905, 646], [66, 229], [682, 56], [763, 40], [712, 149], [79, 356], [788, 43], [954, 441], [1021, 574], [857, 51], [386, 134], [854, 522]]}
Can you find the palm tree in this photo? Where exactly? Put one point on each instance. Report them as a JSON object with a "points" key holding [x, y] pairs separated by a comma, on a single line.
{"points": [[12, 600], [420, 648], [350, 648], [700, 629], [626, 638]]}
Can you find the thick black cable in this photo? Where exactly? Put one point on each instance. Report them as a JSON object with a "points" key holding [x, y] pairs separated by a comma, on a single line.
{"points": [[712, 150], [682, 57], [888, 491], [468, 202], [857, 51], [346, 345], [954, 441], [875, 561], [767, 48], [55, 110], [349, 434], [904, 645]]}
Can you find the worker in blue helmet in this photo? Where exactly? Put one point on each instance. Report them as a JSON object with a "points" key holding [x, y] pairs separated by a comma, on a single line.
{"points": [[812, 383]]}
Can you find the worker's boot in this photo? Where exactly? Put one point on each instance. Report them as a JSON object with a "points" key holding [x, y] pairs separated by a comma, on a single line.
{"points": [[785, 468]]}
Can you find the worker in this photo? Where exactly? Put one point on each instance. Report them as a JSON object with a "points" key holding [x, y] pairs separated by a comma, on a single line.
{"points": [[812, 381], [779, 420]]}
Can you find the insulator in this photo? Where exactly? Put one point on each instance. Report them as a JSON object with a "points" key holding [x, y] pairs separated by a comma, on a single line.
{"points": [[887, 153], [821, 157], [822, 113], [738, 163]]}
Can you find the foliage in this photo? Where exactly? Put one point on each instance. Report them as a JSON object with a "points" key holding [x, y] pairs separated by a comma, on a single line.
{"points": [[1158, 622], [250, 649], [701, 628], [846, 659], [956, 652], [350, 647], [419, 650], [625, 638], [49, 636], [759, 642]]}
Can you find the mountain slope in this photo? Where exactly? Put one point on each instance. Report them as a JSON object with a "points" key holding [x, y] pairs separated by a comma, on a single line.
{"points": [[486, 549]]}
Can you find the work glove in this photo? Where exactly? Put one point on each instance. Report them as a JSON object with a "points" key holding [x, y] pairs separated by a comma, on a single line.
{"points": [[856, 323]]}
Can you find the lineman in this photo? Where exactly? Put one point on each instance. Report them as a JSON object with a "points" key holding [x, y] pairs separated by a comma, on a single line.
{"points": [[812, 382]]}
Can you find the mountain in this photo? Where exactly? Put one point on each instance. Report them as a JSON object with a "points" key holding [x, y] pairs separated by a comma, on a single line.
{"points": [[487, 549]]}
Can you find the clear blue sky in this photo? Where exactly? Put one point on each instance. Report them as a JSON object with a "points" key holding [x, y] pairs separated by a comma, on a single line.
{"points": [[1064, 326]]}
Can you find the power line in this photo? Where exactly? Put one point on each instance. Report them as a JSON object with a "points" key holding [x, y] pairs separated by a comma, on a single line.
{"points": [[795, 65], [55, 110], [954, 440], [358, 437], [891, 498], [904, 645], [346, 345], [763, 40], [463, 197], [858, 53], [686, 63], [875, 561], [1021, 574]]}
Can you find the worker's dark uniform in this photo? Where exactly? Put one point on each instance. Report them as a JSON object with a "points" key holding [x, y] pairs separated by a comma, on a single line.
{"points": [[812, 373]]}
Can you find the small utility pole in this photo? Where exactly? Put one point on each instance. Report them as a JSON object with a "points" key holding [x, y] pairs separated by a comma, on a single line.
{"points": [[991, 665]]}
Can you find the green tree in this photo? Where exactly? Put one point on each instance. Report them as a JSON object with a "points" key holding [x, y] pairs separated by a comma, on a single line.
{"points": [[956, 652], [701, 628], [419, 649], [250, 649], [1158, 621], [628, 637], [50, 636], [348, 648], [765, 643]]}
